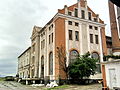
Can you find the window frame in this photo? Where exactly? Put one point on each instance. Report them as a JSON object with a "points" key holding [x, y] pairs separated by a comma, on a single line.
{"points": [[82, 14], [76, 35], [69, 22], [76, 24], [91, 38], [89, 16], [76, 12], [96, 39], [50, 65], [70, 32]]}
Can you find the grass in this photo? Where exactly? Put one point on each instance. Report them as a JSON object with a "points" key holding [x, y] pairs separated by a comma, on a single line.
{"points": [[2, 79], [59, 87]]}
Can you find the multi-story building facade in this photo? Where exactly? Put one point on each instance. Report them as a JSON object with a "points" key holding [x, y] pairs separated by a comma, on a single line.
{"points": [[77, 29], [24, 64]]}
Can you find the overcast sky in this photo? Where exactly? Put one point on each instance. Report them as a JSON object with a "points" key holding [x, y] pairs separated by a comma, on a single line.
{"points": [[17, 18]]}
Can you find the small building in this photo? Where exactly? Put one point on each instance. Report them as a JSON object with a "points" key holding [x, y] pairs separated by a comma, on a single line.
{"points": [[112, 69], [24, 64]]}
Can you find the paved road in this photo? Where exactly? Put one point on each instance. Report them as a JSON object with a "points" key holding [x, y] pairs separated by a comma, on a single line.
{"points": [[8, 85]]}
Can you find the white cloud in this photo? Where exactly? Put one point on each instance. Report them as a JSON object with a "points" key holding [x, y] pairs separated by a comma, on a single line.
{"points": [[17, 18]]}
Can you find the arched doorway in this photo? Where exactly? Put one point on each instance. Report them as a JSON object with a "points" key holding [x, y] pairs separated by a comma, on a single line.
{"points": [[51, 63], [42, 67], [73, 55]]}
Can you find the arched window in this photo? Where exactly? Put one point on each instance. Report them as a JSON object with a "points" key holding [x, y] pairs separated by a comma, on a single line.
{"points": [[73, 55], [96, 56], [42, 67], [51, 63]]}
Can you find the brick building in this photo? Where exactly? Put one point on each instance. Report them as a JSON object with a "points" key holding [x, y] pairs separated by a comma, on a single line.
{"points": [[110, 70], [78, 30]]}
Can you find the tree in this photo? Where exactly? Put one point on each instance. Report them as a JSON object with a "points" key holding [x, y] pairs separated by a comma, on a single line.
{"points": [[61, 55], [84, 66]]}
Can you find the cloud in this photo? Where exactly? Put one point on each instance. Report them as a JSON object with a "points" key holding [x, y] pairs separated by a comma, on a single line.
{"points": [[17, 18]]}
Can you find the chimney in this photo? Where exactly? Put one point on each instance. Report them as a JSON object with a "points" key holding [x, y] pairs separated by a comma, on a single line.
{"points": [[85, 3], [97, 16], [66, 9], [114, 30]]}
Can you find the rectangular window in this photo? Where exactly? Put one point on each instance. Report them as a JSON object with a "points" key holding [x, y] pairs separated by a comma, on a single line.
{"points": [[96, 28], [89, 16], [49, 39], [70, 13], [96, 39], [41, 44], [52, 37], [52, 26], [76, 12], [91, 38], [33, 48], [90, 27], [70, 34], [76, 24], [95, 20], [76, 35], [70, 22], [49, 28], [83, 14]]}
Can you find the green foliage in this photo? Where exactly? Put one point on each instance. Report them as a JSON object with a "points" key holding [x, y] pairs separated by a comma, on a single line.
{"points": [[2, 79], [111, 56], [84, 66]]}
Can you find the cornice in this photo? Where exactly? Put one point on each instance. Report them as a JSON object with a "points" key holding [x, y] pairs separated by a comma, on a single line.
{"points": [[82, 20]]}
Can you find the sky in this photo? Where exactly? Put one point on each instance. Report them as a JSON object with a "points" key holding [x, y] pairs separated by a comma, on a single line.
{"points": [[17, 19]]}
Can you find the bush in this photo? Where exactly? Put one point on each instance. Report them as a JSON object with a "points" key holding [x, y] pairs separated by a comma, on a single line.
{"points": [[84, 66]]}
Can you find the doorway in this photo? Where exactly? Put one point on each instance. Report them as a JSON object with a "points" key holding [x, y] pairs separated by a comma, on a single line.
{"points": [[112, 78]]}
